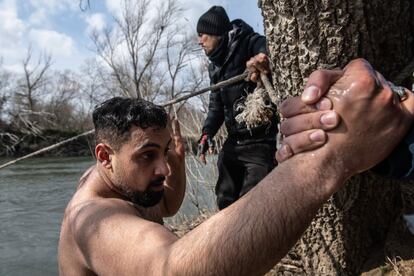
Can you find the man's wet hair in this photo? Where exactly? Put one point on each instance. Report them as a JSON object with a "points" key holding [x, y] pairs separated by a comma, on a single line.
{"points": [[114, 118]]}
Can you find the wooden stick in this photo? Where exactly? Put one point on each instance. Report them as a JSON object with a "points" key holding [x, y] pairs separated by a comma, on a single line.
{"points": [[210, 88], [180, 99]]}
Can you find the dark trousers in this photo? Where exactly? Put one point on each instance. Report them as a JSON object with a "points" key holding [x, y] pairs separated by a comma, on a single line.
{"points": [[240, 168]]}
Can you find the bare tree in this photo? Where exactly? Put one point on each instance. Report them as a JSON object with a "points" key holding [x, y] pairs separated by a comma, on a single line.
{"points": [[28, 91], [5, 82], [95, 88], [130, 48], [64, 102], [33, 80]]}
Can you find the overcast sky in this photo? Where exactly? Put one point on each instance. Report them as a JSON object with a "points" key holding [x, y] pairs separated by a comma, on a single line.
{"points": [[61, 28]]}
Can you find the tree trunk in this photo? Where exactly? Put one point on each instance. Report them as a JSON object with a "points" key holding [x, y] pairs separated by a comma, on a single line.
{"points": [[357, 222]]}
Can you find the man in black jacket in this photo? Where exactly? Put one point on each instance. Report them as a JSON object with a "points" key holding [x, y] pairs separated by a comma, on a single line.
{"points": [[247, 155]]}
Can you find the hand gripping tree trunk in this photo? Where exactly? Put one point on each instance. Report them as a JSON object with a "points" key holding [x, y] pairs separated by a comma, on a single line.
{"points": [[306, 35]]}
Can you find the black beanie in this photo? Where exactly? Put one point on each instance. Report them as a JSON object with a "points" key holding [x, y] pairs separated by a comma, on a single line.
{"points": [[214, 22]]}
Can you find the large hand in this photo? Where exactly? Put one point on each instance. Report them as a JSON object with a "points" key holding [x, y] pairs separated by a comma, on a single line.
{"points": [[373, 121], [305, 118]]}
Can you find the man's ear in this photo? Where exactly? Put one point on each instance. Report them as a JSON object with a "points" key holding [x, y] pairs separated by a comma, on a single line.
{"points": [[104, 154]]}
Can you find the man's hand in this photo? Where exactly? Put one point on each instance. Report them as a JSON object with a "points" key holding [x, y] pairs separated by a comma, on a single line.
{"points": [[304, 126], [256, 65], [372, 121], [305, 118], [174, 188], [205, 143], [176, 156]]}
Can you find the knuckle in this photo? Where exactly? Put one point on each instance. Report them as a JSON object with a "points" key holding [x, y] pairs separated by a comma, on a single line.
{"points": [[367, 82], [287, 107], [284, 107], [358, 62], [316, 74], [299, 142], [284, 127], [315, 121]]}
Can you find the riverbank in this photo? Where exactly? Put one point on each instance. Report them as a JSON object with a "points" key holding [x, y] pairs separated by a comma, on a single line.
{"points": [[19, 144], [23, 144]]}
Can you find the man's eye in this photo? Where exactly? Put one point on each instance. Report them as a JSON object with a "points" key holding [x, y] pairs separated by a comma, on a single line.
{"points": [[148, 156]]}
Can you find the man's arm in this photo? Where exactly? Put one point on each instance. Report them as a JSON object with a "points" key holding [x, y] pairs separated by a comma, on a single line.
{"points": [[247, 238], [259, 62], [212, 124], [215, 115], [257, 45]]}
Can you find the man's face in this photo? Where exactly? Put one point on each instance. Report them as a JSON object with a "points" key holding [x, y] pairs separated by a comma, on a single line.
{"points": [[140, 165], [208, 42]]}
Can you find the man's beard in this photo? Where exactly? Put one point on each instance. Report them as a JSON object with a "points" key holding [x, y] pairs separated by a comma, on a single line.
{"points": [[145, 199]]}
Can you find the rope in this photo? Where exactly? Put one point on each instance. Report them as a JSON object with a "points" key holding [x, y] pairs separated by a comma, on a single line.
{"points": [[46, 149], [214, 87]]}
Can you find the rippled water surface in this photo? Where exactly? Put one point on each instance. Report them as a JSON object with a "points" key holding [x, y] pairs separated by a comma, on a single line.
{"points": [[33, 196]]}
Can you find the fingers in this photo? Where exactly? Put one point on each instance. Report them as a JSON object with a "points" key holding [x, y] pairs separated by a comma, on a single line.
{"points": [[254, 77], [203, 159], [319, 83], [325, 120], [300, 142], [408, 104], [295, 106], [176, 128], [258, 63]]}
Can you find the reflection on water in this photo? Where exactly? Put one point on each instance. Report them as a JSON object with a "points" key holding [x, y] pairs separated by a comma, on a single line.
{"points": [[33, 196]]}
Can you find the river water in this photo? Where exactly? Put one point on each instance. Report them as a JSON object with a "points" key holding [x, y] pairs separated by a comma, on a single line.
{"points": [[34, 194]]}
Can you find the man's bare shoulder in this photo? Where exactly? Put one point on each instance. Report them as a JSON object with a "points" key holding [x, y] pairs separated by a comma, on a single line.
{"points": [[96, 225], [91, 204]]}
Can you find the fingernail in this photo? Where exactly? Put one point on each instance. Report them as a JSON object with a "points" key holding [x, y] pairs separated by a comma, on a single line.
{"points": [[285, 151], [310, 93], [329, 118], [324, 104], [317, 136]]}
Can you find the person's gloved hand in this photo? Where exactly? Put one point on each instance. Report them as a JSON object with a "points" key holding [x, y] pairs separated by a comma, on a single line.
{"points": [[205, 143]]}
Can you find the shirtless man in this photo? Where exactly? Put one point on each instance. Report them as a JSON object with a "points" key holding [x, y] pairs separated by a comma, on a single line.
{"points": [[112, 225]]}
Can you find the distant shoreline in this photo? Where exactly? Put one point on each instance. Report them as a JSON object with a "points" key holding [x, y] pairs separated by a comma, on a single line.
{"points": [[84, 146]]}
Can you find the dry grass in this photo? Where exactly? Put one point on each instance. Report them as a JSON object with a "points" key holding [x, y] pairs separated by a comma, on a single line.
{"points": [[393, 267]]}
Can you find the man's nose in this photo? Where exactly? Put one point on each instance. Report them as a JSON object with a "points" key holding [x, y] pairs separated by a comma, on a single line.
{"points": [[162, 168]]}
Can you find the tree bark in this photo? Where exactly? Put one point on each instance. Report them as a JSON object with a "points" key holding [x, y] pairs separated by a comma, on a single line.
{"points": [[357, 222]]}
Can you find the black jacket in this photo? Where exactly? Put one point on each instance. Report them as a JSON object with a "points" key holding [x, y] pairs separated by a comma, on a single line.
{"points": [[243, 43]]}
